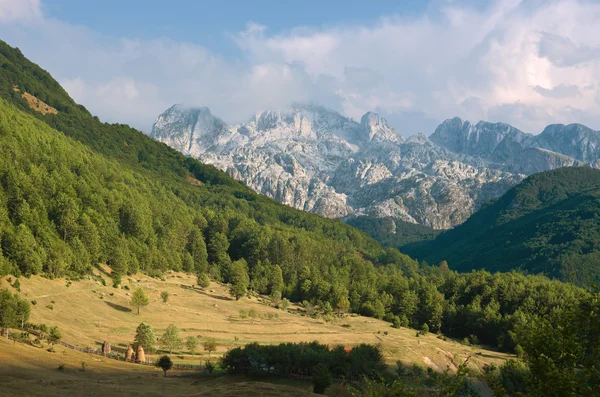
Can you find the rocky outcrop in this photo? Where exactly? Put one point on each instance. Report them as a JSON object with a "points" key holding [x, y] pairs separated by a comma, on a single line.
{"points": [[317, 160]]}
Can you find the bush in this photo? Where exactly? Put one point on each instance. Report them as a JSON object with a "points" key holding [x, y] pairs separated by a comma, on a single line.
{"points": [[424, 329], [61, 367], [283, 304], [243, 313], [209, 366], [165, 364], [50, 307], [321, 378], [252, 313], [519, 351], [34, 302], [164, 296], [17, 285]]}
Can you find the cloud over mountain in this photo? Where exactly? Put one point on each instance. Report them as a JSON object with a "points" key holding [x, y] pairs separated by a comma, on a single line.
{"points": [[527, 63]]}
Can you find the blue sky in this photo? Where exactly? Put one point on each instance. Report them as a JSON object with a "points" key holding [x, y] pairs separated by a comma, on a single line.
{"points": [[209, 22], [529, 63]]}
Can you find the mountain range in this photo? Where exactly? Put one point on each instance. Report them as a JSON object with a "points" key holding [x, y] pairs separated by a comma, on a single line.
{"points": [[318, 160], [546, 224]]}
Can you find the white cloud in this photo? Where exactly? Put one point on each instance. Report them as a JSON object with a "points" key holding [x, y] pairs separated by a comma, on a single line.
{"points": [[528, 63], [14, 10]]}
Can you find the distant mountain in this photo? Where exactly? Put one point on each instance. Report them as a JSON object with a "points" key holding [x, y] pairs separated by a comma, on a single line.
{"points": [[549, 223], [315, 159]]}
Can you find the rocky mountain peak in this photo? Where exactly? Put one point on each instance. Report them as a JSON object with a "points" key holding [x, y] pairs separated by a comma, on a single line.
{"points": [[318, 160], [376, 128]]}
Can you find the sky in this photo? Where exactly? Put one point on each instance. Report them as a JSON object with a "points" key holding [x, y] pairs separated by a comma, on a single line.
{"points": [[528, 63]]}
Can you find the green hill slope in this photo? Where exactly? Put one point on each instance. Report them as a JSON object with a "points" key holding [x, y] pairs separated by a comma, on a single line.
{"points": [[391, 232], [550, 223]]}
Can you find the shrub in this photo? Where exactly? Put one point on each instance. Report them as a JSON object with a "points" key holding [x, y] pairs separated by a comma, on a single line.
{"points": [[424, 329], [50, 307], [243, 313], [321, 378], [283, 304], [519, 351], [17, 285], [209, 366], [252, 313], [165, 364], [61, 367], [34, 302], [164, 296]]}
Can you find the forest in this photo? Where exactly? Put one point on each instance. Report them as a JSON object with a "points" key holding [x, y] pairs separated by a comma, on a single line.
{"points": [[76, 193], [547, 224]]}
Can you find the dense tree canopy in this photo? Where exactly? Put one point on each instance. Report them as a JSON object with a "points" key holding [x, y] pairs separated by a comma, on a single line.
{"points": [[550, 224]]}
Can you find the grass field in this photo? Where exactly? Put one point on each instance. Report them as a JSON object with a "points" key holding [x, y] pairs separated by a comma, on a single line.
{"points": [[89, 313]]}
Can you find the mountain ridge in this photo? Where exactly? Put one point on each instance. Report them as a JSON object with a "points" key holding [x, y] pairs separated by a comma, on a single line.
{"points": [[546, 224], [318, 160]]}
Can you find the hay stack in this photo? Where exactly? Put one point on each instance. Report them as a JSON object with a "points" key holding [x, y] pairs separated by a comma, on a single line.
{"points": [[106, 348], [129, 354], [140, 356]]}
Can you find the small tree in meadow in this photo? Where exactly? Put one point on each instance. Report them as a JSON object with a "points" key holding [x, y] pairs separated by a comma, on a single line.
{"points": [[209, 345], [170, 340], [139, 299], [164, 296], [203, 280], [53, 335], [192, 344], [165, 364]]}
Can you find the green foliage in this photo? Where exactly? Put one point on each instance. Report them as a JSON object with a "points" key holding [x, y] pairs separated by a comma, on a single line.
{"points": [[164, 363], [519, 351], [209, 345], [53, 335], [145, 337], [562, 350], [139, 299], [304, 358], [209, 366], [171, 340], [425, 329], [164, 296], [192, 344], [14, 311], [508, 379], [238, 279], [321, 378], [203, 280], [547, 224], [392, 232], [17, 285]]}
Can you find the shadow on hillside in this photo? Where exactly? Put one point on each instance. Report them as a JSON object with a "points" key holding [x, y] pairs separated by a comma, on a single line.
{"points": [[199, 291], [118, 307]]}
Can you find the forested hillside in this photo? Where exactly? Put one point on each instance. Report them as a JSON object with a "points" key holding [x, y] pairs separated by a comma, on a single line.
{"points": [[550, 224], [391, 232], [75, 193]]}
